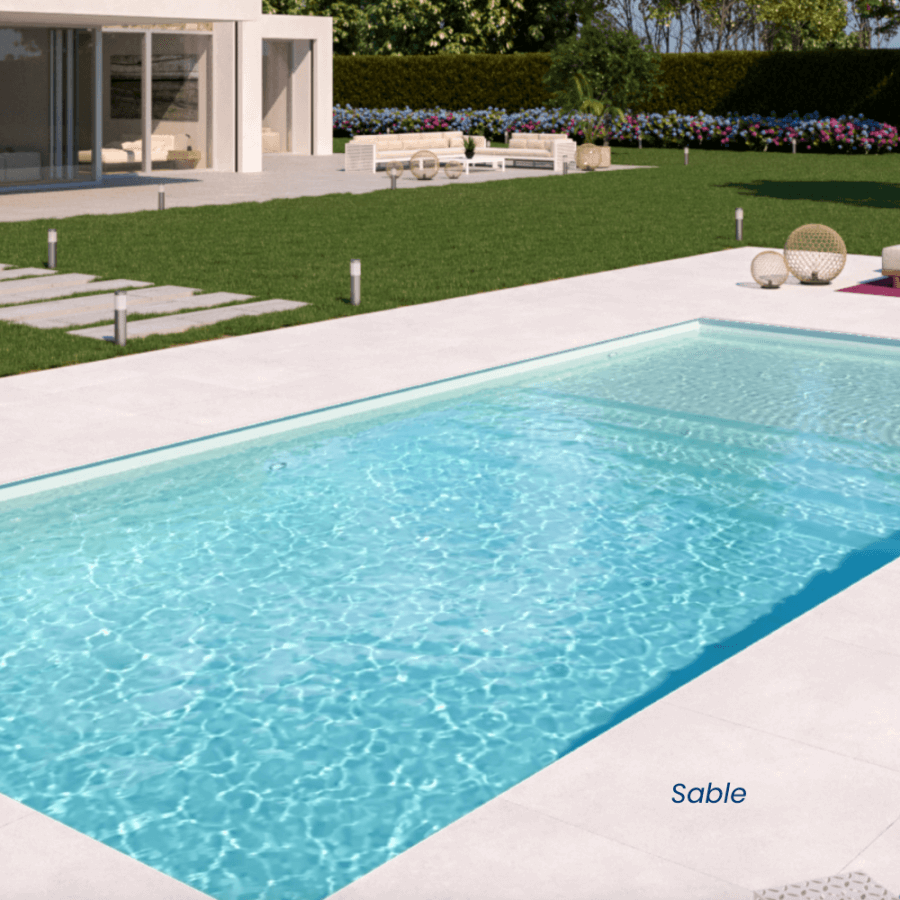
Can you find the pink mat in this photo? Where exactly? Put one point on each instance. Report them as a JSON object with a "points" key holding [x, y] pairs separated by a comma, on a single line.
{"points": [[883, 286]]}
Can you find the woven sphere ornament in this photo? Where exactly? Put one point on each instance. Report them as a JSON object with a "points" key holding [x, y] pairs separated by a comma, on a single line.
{"points": [[587, 157], [394, 168], [453, 168], [769, 269], [815, 254], [424, 164]]}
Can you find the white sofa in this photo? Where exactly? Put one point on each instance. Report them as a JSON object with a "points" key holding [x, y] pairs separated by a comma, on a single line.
{"points": [[365, 152], [20, 165], [133, 151]]}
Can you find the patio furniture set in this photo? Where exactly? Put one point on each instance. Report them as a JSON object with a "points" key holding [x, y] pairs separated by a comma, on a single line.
{"points": [[366, 152]]}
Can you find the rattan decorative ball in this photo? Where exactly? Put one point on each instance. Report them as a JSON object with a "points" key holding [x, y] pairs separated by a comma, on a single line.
{"points": [[453, 168], [587, 156], [815, 254], [394, 168], [424, 164], [769, 269]]}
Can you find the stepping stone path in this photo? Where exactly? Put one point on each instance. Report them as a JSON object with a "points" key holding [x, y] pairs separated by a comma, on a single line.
{"points": [[43, 299]]}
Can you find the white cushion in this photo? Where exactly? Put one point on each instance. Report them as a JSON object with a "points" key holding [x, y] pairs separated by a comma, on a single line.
{"points": [[890, 258]]}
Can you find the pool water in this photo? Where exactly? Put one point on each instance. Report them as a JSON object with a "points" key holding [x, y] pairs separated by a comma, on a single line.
{"points": [[268, 670]]}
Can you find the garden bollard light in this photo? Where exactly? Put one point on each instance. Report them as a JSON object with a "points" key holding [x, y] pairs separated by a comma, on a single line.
{"points": [[162, 198], [640, 145], [355, 278], [739, 224], [686, 151], [121, 315], [51, 248], [393, 182], [565, 167], [793, 145]]}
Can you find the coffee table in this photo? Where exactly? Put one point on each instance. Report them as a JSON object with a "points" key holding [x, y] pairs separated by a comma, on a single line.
{"points": [[495, 162]]}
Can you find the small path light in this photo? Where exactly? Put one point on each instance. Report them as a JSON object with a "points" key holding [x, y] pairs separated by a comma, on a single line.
{"points": [[640, 144], [793, 145], [121, 316], [162, 198], [739, 224], [394, 170], [565, 167], [355, 278], [51, 248], [686, 151]]}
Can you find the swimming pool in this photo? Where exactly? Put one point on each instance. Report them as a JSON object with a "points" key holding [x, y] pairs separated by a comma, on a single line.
{"points": [[267, 668]]}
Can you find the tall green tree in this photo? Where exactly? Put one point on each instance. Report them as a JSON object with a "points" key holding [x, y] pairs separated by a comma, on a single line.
{"points": [[619, 68], [405, 27]]}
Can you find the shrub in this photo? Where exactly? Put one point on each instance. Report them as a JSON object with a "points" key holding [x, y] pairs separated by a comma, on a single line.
{"points": [[814, 133]]}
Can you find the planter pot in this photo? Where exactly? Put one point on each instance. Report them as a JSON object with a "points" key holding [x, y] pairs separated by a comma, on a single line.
{"points": [[590, 156], [184, 159], [469, 154]]}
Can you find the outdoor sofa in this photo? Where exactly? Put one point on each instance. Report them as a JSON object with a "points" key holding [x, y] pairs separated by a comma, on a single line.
{"points": [[365, 152], [133, 152]]}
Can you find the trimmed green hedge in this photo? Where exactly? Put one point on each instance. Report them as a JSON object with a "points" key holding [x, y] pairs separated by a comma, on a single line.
{"points": [[509, 81], [833, 82]]}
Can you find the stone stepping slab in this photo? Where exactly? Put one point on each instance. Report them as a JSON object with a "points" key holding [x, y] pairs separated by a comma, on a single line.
{"points": [[73, 279], [21, 273], [51, 293], [101, 307], [186, 321]]}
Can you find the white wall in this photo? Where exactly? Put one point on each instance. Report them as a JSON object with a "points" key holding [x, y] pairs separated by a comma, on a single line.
{"points": [[83, 13]]}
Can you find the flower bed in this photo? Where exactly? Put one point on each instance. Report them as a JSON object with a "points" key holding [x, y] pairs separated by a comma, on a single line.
{"points": [[813, 133]]}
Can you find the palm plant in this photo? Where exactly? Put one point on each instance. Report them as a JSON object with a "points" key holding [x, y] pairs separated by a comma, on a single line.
{"points": [[595, 115]]}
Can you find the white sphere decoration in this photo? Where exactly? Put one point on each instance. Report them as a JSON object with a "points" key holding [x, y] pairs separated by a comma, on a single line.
{"points": [[769, 269]]}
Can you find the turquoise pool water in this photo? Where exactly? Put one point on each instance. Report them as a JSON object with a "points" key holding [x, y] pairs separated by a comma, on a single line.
{"points": [[266, 670]]}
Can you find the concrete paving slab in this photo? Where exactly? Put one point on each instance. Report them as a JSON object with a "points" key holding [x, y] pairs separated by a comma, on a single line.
{"points": [[186, 321], [100, 308], [52, 293], [72, 279], [23, 273], [284, 176], [163, 292], [502, 851], [42, 859]]}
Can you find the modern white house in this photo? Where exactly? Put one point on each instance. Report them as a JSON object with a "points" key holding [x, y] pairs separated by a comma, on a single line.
{"points": [[87, 86]]}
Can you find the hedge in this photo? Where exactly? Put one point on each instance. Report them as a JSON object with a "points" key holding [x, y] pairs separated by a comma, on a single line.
{"points": [[847, 81]]}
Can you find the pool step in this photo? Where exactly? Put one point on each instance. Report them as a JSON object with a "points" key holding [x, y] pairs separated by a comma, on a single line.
{"points": [[52, 293], [101, 307], [186, 321]]}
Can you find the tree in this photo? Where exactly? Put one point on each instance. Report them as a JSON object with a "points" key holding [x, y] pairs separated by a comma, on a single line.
{"points": [[404, 27], [799, 24], [619, 68]]}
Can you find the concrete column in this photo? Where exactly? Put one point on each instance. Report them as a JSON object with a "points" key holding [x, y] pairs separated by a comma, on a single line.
{"points": [[96, 158], [224, 114], [249, 96], [322, 93], [301, 97], [146, 102]]}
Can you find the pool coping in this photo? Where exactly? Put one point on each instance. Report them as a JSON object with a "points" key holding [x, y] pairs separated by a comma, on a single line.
{"points": [[544, 833]]}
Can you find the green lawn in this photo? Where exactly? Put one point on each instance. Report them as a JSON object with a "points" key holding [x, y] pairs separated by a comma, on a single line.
{"points": [[455, 239]]}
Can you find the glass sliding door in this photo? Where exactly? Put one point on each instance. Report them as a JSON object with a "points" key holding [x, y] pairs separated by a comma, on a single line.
{"points": [[43, 111]]}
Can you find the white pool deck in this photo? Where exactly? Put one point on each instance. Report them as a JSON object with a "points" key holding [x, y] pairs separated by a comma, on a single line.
{"points": [[807, 720]]}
